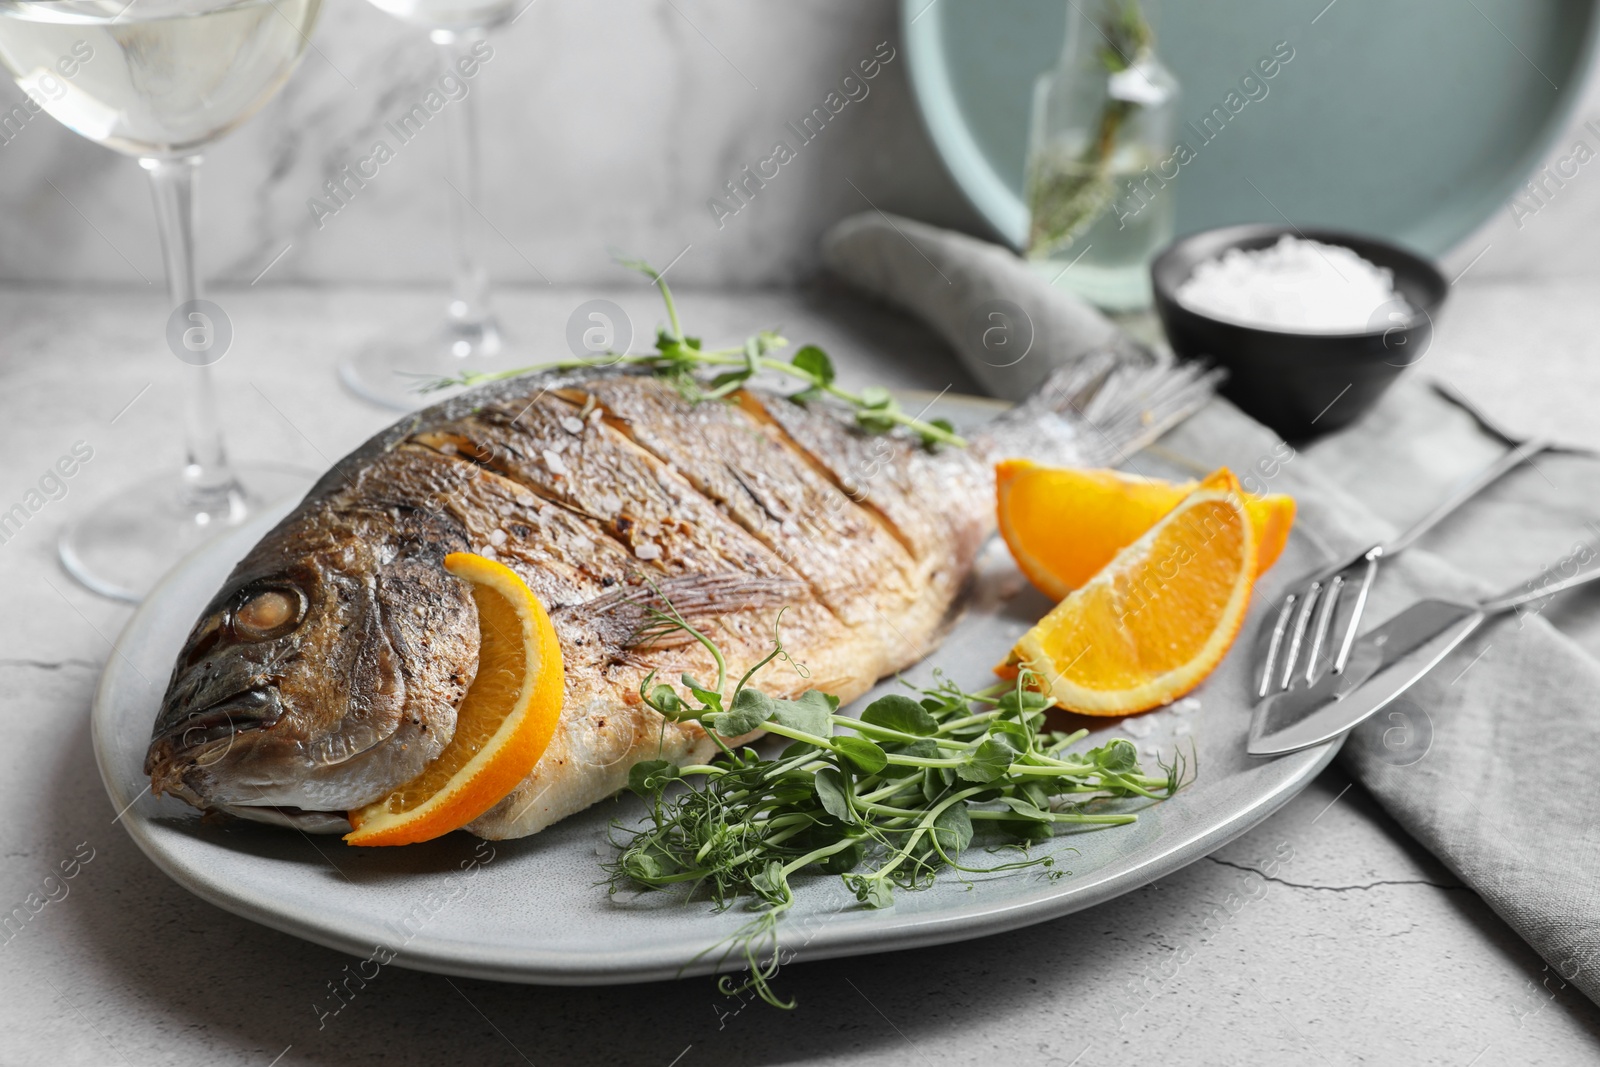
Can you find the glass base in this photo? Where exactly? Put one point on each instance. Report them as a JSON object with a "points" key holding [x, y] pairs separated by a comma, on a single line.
{"points": [[130, 540], [392, 369]]}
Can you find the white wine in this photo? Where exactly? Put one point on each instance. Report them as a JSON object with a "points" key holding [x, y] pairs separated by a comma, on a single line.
{"points": [[157, 78], [451, 16]]}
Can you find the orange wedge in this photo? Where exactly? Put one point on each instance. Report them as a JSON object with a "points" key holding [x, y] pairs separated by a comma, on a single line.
{"points": [[503, 726], [1159, 617], [1064, 525]]}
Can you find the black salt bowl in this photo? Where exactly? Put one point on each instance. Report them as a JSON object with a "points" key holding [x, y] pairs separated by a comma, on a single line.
{"points": [[1300, 384]]}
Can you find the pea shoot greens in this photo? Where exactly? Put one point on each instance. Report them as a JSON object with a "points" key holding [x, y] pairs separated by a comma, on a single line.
{"points": [[680, 358], [886, 805]]}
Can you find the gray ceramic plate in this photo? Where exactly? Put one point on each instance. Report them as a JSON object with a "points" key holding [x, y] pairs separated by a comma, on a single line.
{"points": [[532, 911], [1413, 121]]}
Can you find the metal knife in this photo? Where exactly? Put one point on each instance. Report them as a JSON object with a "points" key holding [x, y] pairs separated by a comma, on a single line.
{"points": [[1383, 664]]}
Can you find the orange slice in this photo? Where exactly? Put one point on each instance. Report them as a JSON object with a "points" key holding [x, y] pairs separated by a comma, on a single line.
{"points": [[1272, 515], [1159, 617], [503, 726], [1064, 525]]}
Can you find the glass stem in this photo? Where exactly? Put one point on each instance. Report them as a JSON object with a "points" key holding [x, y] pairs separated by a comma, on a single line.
{"points": [[469, 304], [208, 480]]}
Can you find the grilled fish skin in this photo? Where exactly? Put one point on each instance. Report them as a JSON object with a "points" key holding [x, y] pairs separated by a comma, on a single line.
{"points": [[329, 667]]}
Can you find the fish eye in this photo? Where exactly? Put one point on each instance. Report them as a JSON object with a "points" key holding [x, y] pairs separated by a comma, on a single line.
{"points": [[268, 613]]}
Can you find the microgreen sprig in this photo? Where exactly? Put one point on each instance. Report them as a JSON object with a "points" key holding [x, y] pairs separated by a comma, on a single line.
{"points": [[886, 805], [681, 359], [1065, 200]]}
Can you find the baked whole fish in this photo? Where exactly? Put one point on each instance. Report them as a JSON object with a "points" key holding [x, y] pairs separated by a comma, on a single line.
{"points": [[329, 667]]}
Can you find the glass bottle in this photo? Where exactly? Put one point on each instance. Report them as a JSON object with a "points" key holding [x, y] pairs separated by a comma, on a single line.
{"points": [[1101, 157]]}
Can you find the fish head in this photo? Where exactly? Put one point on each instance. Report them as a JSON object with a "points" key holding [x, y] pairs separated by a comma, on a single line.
{"points": [[325, 673]]}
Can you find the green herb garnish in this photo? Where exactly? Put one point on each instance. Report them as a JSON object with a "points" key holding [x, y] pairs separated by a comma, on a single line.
{"points": [[679, 357], [886, 806], [1066, 197]]}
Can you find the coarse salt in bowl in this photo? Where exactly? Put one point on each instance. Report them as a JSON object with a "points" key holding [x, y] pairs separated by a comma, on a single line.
{"points": [[1312, 325], [1299, 285]]}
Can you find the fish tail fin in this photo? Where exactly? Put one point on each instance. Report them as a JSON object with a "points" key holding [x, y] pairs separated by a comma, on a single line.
{"points": [[1100, 409]]}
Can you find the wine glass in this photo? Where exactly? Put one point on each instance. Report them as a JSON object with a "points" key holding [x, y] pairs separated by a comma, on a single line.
{"points": [[159, 80], [390, 369]]}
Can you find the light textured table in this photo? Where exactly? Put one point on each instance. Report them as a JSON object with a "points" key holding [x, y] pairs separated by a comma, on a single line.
{"points": [[1361, 948]]}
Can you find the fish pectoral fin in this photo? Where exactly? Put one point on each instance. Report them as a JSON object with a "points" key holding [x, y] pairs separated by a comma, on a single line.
{"points": [[628, 617], [311, 822]]}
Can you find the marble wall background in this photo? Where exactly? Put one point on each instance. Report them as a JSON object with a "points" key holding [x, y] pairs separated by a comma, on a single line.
{"points": [[606, 124]]}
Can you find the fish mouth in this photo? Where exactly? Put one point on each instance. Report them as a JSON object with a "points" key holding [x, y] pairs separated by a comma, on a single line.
{"points": [[196, 733], [224, 756]]}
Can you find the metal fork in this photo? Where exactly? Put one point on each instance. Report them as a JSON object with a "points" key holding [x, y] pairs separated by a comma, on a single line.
{"points": [[1304, 621]]}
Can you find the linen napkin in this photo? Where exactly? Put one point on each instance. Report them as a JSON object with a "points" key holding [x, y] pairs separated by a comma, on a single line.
{"points": [[999, 315], [1489, 762]]}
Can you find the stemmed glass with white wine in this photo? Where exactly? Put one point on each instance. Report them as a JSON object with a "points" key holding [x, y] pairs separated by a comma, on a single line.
{"points": [[159, 80], [390, 370]]}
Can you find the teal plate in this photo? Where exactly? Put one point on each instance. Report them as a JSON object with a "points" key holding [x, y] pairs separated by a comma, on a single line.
{"points": [[1415, 122]]}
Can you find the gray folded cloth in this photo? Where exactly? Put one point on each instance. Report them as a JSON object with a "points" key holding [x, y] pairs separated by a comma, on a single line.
{"points": [[1490, 761], [1001, 317]]}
